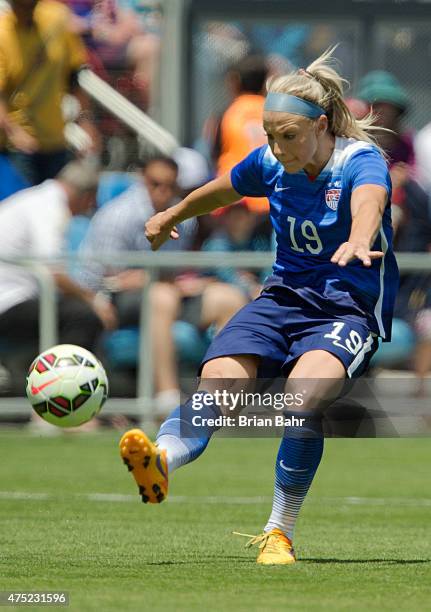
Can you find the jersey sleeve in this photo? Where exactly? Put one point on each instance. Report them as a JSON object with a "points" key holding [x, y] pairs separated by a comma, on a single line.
{"points": [[368, 167], [247, 176]]}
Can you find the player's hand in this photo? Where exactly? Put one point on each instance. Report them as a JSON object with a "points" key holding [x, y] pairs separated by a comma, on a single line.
{"points": [[348, 251], [159, 229]]}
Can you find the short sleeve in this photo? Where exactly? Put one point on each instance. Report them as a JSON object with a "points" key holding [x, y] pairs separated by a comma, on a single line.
{"points": [[247, 176], [368, 167]]}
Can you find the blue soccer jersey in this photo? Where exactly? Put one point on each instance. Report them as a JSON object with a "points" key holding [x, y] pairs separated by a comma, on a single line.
{"points": [[311, 218]]}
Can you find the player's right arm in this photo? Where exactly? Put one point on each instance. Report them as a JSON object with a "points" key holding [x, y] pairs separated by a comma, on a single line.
{"points": [[209, 197]]}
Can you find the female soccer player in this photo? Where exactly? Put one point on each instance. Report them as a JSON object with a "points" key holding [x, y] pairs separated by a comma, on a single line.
{"points": [[330, 296]]}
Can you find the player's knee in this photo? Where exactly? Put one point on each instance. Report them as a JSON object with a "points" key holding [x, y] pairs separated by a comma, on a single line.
{"points": [[231, 367], [234, 374], [313, 395], [216, 368]]}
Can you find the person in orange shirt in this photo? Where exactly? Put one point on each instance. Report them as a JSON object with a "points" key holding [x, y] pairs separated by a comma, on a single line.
{"points": [[240, 127], [39, 61]]}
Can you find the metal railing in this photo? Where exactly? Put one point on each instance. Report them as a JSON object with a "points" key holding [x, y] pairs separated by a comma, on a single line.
{"points": [[132, 116], [141, 406]]}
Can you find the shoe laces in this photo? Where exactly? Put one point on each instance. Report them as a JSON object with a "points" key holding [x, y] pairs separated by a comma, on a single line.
{"points": [[264, 540]]}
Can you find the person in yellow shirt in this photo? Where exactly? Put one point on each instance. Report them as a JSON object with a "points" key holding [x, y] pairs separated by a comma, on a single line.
{"points": [[39, 62]]}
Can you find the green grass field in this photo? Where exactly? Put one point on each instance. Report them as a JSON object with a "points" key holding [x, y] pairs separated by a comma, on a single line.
{"points": [[363, 538]]}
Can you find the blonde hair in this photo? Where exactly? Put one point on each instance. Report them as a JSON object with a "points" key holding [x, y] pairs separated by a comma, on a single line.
{"points": [[321, 84]]}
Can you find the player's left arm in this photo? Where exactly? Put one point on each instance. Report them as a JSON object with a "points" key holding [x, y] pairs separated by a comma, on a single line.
{"points": [[367, 206]]}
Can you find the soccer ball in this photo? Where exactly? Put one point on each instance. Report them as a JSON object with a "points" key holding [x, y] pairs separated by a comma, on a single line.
{"points": [[67, 385]]}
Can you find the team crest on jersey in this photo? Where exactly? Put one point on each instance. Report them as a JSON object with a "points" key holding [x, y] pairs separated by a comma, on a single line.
{"points": [[332, 197]]}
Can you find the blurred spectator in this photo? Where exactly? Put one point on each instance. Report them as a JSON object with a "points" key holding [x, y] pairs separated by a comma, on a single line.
{"points": [[32, 224], [239, 130], [122, 36], [238, 233], [414, 297], [39, 61], [106, 29], [193, 172], [422, 145], [422, 228], [217, 45], [143, 51], [119, 226], [358, 108], [389, 101]]}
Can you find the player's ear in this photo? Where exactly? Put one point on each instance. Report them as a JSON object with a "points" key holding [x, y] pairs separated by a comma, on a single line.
{"points": [[321, 125]]}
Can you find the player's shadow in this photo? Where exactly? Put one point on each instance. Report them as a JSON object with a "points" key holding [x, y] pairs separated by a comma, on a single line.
{"points": [[252, 560], [237, 559], [360, 561]]}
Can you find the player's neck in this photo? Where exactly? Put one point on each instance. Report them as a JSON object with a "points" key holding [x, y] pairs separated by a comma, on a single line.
{"points": [[322, 156]]}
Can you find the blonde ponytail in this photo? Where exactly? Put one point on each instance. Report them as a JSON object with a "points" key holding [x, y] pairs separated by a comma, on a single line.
{"points": [[321, 84]]}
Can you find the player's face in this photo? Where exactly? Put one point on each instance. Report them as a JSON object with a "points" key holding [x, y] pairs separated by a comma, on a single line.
{"points": [[293, 139]]}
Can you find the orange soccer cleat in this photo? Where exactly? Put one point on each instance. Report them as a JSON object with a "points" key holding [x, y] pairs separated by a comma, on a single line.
{"points": [[148, 465]]}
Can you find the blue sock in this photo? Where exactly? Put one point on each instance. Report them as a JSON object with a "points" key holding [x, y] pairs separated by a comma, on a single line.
{"points": [[298, 458], [182, 440]]}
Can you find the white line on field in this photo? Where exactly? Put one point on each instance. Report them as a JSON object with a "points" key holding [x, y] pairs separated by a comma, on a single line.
{"points": [[220, 499], [22, 495]]}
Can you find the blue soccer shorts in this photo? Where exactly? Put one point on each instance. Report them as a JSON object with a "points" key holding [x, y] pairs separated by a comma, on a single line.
{"points": [[281, 325]]}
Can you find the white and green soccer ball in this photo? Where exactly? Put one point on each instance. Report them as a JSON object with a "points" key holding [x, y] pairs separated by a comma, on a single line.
{"points": [[67, 385]]}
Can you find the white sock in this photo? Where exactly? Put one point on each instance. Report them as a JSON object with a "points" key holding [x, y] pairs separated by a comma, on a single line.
{"points": [[177, 452]]}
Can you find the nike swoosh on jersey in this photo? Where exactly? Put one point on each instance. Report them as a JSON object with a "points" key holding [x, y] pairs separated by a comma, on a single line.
{"points": [[277, 188], [36, 390]]}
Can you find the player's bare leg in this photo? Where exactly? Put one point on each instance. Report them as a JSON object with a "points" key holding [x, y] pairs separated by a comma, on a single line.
{"points": [[178, 442]]}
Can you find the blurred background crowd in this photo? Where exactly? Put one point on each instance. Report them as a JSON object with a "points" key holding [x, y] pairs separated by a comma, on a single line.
{"points": [[75, 178]]}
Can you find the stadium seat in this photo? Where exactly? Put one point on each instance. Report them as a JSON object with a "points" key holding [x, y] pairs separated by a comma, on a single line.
{"points": [[190, 343], [122, 345], [111, 185]]}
